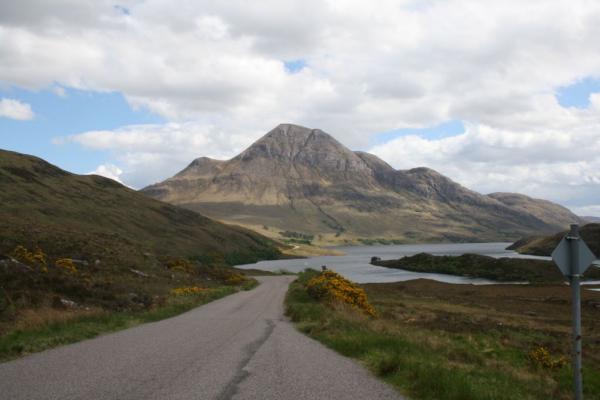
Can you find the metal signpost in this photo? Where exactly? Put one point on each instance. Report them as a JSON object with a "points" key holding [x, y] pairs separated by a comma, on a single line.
{"points": [[573, 257]]}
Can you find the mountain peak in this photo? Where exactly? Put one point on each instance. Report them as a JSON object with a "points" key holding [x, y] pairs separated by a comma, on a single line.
{"points": [[288, 128], [291, 135], [199, 165], [298, 144], [302, 179], [298, 131]]}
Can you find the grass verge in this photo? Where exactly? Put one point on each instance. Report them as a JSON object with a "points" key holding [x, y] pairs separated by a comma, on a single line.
{"points": [[458, 342], [20, 342]]}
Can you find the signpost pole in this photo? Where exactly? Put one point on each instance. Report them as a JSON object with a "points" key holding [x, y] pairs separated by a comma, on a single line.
{"points": [[573, 257], [574, 278]]}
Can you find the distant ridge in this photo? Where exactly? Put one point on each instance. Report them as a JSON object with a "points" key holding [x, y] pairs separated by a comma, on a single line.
{"points": [[303, 180], [591, 219], [544, 245]]}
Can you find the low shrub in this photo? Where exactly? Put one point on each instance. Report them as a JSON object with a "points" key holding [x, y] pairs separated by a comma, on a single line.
{"points": [[36, 258], [541, 357], [235, 279], [332, 287], [66, 265], [188, 291], [180, 265]]}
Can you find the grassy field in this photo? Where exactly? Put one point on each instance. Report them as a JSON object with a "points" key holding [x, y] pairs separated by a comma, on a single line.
{"points": [[440, 341]]}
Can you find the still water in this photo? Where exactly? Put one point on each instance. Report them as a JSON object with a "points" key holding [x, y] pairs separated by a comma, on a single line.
{"points": [[355, 265]]}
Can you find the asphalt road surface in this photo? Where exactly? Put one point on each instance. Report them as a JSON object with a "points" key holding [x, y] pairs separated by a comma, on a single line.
{"points": [[238, 347]]}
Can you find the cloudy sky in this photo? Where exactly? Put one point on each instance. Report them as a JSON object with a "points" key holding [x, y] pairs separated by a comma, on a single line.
{"points": [[500, 96]]}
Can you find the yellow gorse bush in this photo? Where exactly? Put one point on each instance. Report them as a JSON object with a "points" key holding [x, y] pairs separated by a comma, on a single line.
{"points": [[40, 259], [235, 279], [180, 265], [32, 258], [540, 356], [333, 287], [188, 291], [66, 265]]}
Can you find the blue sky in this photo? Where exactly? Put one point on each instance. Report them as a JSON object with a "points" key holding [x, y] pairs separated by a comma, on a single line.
{"points": [[578, 94], [294, 66], [58, 116], [445, 129]]}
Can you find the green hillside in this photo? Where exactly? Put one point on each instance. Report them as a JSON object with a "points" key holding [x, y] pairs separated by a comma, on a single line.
{"points": [[544, 245], [89, 240]]}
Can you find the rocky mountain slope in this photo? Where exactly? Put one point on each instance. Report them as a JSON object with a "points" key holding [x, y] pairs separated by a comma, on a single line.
{"points": [[303, 180]]}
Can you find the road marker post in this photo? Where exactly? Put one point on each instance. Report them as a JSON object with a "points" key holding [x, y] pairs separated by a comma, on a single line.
{"points": [[573, 257]]}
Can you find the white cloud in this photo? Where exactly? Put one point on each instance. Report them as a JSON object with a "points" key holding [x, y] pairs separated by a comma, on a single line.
{"points": [[369, 68], [591, 210], [561, 163], [59, 91], [14, 109], [150, 153], [108, 171], [216, 71]]}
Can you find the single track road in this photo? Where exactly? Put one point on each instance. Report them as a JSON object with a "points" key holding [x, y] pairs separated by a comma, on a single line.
{"points": [[238, 347]]}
